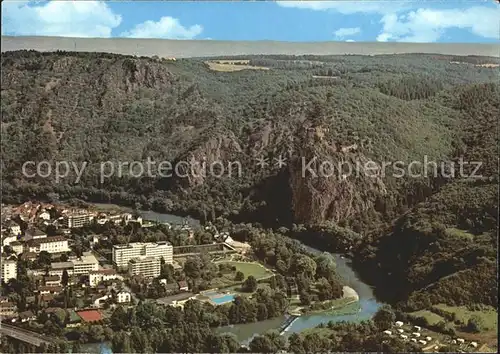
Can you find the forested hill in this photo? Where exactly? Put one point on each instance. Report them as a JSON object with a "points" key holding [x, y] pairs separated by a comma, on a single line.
{"points": [[101, 107], [432, 237]]}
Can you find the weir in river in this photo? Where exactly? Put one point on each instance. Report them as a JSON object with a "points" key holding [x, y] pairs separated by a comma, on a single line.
{"points": [[285, 326]]}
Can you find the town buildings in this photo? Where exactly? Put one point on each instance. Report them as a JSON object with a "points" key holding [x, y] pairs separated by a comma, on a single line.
{"points": [[78, 218], [34, 233], [148, 267], [17, 247], [122, 254], [75, 265], [9, 269], [14, 228], [84, 264], [123, 297], [54, 244], [97, 276], [8, 239]]}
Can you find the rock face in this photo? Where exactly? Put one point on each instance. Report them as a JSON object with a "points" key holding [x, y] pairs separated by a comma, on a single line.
{"points": [[212, 158], [330, 182]]}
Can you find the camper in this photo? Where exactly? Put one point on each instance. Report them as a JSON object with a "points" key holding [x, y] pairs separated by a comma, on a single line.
{"points": [[400, 330], [416, 334], [428, 339], [399, 324], [404, 336], [417, 328], [474, 344], [461, 340], [423, 342], [388, 333]]}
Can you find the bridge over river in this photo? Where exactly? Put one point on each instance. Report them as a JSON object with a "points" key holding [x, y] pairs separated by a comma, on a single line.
{"points": [[24, 335]]}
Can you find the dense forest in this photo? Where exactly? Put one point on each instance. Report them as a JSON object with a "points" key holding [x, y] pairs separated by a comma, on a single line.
{"points": [[434, 235]]}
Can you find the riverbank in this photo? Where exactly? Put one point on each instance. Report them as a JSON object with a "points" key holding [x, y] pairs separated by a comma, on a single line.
{"points": [[332, 307]]}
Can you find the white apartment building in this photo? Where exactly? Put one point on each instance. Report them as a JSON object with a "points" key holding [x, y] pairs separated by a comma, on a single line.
{"points": [[97, 276], [85, 264], [122, 254], [55, 244], [9, 270], [148, 267], [77, 219]]}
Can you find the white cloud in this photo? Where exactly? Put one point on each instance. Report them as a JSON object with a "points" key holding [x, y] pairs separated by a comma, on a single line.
{"points": [[58, 18], [350, 40], [347, 31], [428, 25], [166, 27], [348, 7]]}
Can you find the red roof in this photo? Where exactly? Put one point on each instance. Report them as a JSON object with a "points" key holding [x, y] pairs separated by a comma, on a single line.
{"points": [[90, 315]]}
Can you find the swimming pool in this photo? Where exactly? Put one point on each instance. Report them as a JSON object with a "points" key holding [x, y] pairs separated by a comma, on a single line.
{"points": [[222, 299]]}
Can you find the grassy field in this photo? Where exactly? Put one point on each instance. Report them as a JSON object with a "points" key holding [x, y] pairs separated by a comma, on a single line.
{"points": [[430, 316], [232, 66], [489, 315], [253, 268], [247, 268]]}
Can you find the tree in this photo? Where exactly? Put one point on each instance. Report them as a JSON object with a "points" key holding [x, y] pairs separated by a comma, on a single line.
{"points": [[475, 324], [302, 264], [239, 276], [250, 285], [65, 278], [44, 258], [305, 298], [262, 344], [121, 343], [384, 317], [295, 344], [325, 266]]}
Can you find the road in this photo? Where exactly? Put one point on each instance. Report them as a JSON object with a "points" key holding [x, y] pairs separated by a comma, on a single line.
{"points": [[23, 335]]}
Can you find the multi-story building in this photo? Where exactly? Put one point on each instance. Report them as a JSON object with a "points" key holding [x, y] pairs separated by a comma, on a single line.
{"points": [[58, 268], [9, 270], [8, 309], [77, 219], [52, 280], [54, 244], [85, 264], [122, 254], [75, 265], [97, 276], [148, 267]]}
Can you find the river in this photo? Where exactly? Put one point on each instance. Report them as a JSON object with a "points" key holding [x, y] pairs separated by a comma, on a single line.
{"points": [[368, 306], [245, 332]]}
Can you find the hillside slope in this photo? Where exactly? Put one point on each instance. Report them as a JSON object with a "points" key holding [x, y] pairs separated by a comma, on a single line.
{"points": [[101, 107]]}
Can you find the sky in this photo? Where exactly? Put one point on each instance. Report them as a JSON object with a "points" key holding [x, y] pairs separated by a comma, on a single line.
{"points": [[472, 21]]}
